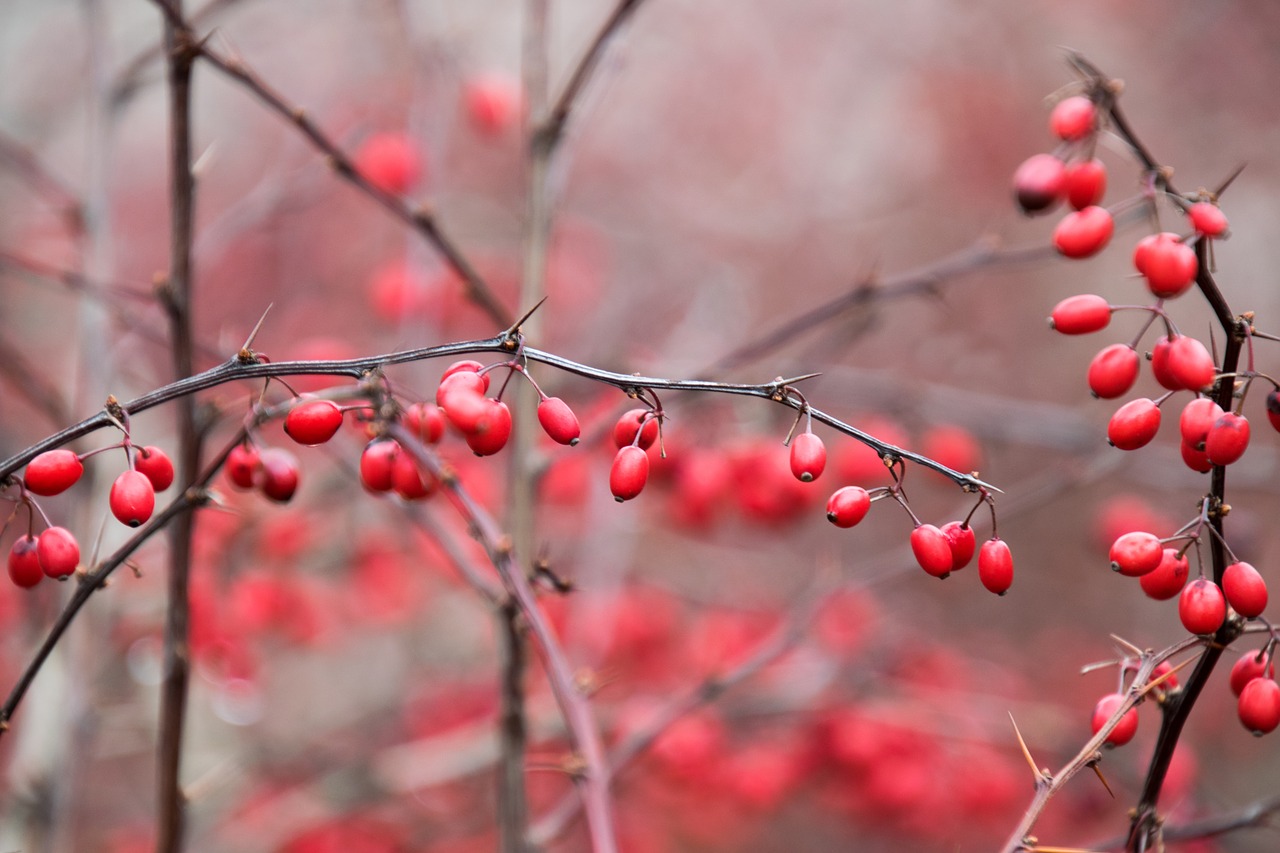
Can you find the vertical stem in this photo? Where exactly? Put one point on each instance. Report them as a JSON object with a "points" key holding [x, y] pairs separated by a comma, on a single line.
{"points": [[177, 302], [513, 810]]}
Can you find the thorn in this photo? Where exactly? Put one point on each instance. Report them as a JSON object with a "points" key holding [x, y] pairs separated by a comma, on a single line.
{"points": [[1101, 778], [246, 355], [1152, 685], [1026, 753], [514, 328], [1228, 181], [1128, 645], [780, 382]]}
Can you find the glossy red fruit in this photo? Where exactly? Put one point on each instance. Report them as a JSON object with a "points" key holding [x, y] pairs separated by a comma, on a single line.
{"points": [[278, 474], [409, 481], [313, 422], [1250, 666], [1106, 708], [1168, 578], [425, 421], [377, 465], [1197, 417], [1245, 590], [962, 541], [1168, 264], [1086, 183], [995, 566], [242, 465], [496, 432], [1259, 706], [559, 421], [1039, 183], [467, 365], [1273, 409], [1202, 607], [1189, 364], [624, 431], [808, 457], [24, 562], [1196, 460], [132, 498], [1081, 314], [848, 506], [390, 161], [58, 551], [1113, 371], [1160, 364], [156, 466], [1073, 118], [1228, 439], [1135, 554], [1083, 233], [629, 472], [932, 550], [493, 102], [1208, 219], [1134, 424], [53, 472]]}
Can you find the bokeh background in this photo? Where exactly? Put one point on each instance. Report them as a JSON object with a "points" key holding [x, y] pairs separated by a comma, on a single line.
{"points": [[730, 166]]}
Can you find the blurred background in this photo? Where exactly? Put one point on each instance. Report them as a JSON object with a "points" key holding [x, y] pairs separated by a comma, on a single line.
{"points": [[729, 167]]}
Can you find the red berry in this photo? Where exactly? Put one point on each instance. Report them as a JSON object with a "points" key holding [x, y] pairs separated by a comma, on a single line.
{"points": [[1080, 315], [493, 102], [1228, 439], [1160, 364], [377, 465], [808, 457], [995, 566], [313, 422], [467, 366], [952, 446], [962, 541], [24, 562], [559, 421], [1273, 409], [463, 404], [278, 474], [1168, 264], [1134, 424], [242, 465], [1135, 554], [1086, 183], [1251, 666], [58, 551], [132, 498], [390, 161], [1163, 669], [1189, 364], [156, 466], [1245, 590], [1113, 371], [1196, 460], [629, 472], [848, 505], [496, 432], [1202, 607], [1125, 729], [1083, 232], [1073, 118], [1168, 578], [624, 431], [1207, 219], [1039, 183], [425, 421], [1259, 706], [53, 472], [409, 481], [1198, 416], [932, 550]]}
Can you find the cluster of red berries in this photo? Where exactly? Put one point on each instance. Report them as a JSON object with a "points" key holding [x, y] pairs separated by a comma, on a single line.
{"points": [[55, 552]]}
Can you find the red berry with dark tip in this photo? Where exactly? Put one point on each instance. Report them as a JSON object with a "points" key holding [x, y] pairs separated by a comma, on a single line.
{"points": [[53, 472], [624, 431], [1259, 706], [1273, 408], [278, 474], [24, 562], [58, 551], [1127, 726], [377, 465], [1189, 364], [848, 506], [132, 498], [1073, 118], [1134, 424], [1160, 364], [1081, 314], [1195, 459], [1250, 666], [962, 541], [1228, 439], [1083, 233], [808, 457], [629, 472], [1202, 607], [1113, 371], [932, 550], [559, 421], [1245, 590], [995, 566], [1039, 183], [496, 432], [1168, 578], [313, 422], [1134, 554], [156, 466]]}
